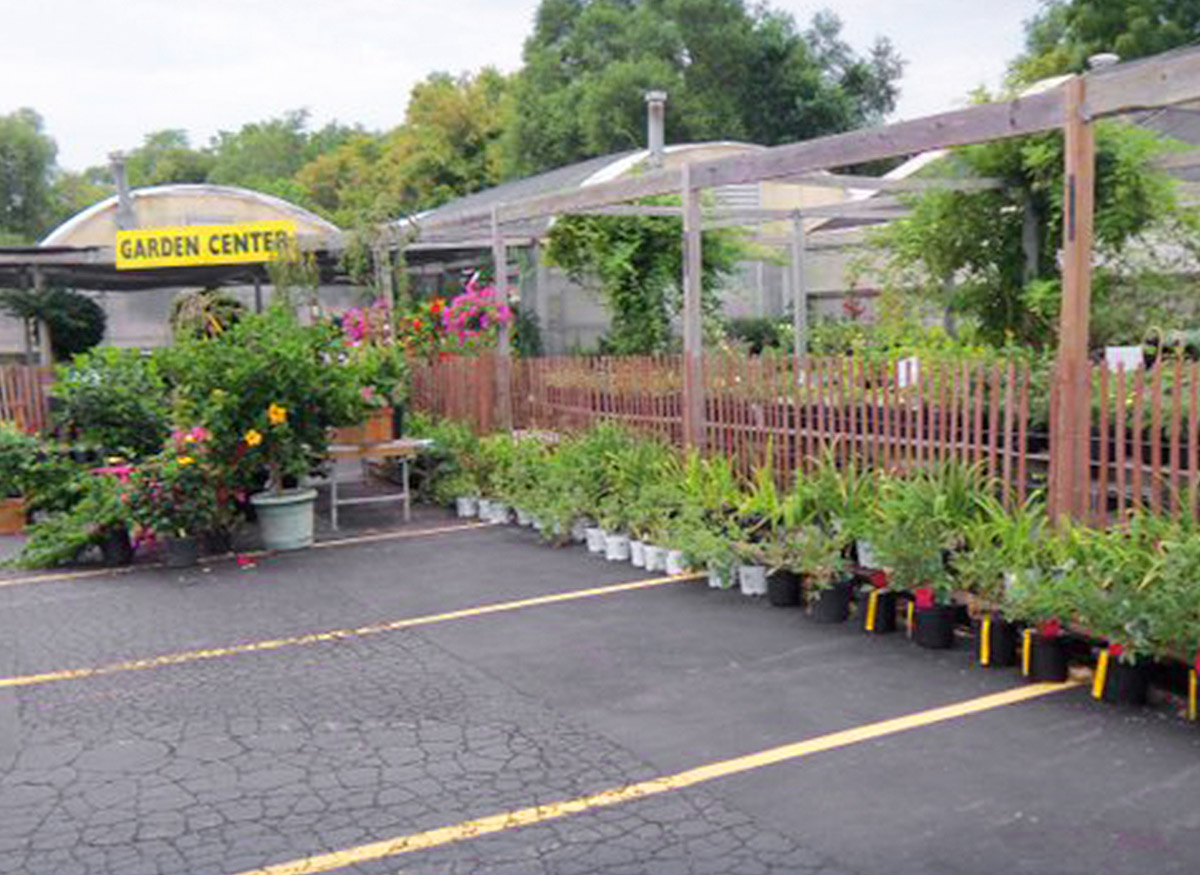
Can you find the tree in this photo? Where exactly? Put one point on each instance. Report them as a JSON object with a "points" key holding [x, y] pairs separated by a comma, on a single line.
{"points": [[26, 172], [965, 250], [167, 156], [1061, 37], [732, 72], [266, 156], [446, 148], [76, 322]]}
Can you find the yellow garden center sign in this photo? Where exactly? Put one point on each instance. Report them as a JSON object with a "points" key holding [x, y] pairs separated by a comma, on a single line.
{"points": [[188, 245]]}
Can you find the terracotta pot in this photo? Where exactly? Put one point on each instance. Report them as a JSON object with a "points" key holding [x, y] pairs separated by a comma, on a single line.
{"points": [[375, 429], [12, 516]]}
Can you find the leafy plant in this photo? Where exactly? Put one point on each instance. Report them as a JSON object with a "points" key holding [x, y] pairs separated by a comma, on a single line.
{"points": [[115, 400], [176, 493], [18, 455], [61, 537]]}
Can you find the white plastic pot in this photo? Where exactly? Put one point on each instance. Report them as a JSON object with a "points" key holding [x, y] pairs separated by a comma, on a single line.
{"points": [[752, 579], [524, 519], [594, 536], [656, 558], [485, 510], [718, 578], [466, 506], [675, 563], [500, 512], [579, 531], [616, 548], [637, 554]]}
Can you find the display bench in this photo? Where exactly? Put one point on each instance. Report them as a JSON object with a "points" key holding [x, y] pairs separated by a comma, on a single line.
{"points": [[402, 450]]}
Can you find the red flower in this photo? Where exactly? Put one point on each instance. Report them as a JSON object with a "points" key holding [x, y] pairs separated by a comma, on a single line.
{"points": [[1050, 629], [1116, 650], [417, 323], [924, 597]]}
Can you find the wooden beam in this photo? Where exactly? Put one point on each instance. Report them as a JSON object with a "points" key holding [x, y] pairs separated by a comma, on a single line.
{"points": [[878, 183], [629, 210], [481, 243], [693, 338], [1070, 454], [504, 341], [1149, 83]]}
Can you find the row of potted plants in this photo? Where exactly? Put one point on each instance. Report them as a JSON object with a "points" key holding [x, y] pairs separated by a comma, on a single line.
{"points": [[933, 551]]}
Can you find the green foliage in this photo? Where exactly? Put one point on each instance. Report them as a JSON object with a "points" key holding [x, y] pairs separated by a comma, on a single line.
{"points": [[964, 251], [26, 170], [449, 469], [733, 71], [114, 400], [18, 455], [1065, 33], [75, 321], [637, 263], [167, 156], [60, 538], [273, 377]]}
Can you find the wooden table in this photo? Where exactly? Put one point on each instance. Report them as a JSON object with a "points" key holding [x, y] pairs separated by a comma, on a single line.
{"points": [[402, 450]]}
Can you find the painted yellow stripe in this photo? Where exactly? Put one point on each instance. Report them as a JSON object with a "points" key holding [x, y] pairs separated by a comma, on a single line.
{"points": [[555, 810], [72, 674], [63, 577], [1101, 677]]}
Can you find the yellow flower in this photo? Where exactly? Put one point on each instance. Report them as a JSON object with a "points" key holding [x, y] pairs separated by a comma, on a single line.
{"points": [[277, 414], [189, 438], [252, 438], [185, 460]]}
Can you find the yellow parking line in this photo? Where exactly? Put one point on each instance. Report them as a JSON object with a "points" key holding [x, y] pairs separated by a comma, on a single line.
{"points": [[554, 810], [62, 577], [334, 634]]}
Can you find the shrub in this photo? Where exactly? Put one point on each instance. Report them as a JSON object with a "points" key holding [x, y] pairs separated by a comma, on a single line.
{"points": [[116, 400]]}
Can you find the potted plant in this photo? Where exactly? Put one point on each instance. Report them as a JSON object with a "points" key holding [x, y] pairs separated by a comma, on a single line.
{"points": [[97, 517], [380, 370], [760, 520], [920, 522], [174, 496], [1041, 600], [269, 390], [827, 584], [18, 457], [1002, 546]]}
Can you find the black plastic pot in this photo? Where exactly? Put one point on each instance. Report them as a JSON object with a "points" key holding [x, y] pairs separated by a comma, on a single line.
{"points": [[397, 421], [116, 549], [182, 552], [832, 604], [1126, 683], [783, 589], [881, 619], [933, 627], [995, 642], [1043, 659], [217, 542]]}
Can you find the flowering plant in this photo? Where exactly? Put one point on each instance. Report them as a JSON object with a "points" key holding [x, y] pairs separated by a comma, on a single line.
{"points": [[476, 316], [176, 493], [420, 331]]}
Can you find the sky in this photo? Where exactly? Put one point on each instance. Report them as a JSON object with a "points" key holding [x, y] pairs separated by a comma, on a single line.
{"points": [[103, 74]]}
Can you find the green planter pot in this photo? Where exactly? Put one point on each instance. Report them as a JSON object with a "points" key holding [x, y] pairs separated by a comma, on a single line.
{"points": [[285, 519]]}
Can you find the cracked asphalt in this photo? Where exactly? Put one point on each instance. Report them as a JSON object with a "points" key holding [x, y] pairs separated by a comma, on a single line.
{"points": [[234, 763]]}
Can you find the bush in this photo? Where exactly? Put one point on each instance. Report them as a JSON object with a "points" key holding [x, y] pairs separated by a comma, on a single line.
{"points": [[268, 389], [18, 455], [114, 400]]}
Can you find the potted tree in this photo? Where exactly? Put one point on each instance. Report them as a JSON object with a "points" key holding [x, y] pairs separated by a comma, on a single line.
{"points": [[269, 390], [828, 587]]}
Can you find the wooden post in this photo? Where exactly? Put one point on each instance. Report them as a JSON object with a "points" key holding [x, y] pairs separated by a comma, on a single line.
{"points": [[1069, 431], [693, 340], [504, 343], [799, 291]]}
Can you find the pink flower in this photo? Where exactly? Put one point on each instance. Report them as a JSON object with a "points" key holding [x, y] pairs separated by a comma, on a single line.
{"points": [[245, 561], [368, 393]]}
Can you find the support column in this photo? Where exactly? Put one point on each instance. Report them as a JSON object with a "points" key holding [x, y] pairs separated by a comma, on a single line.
{"points": [[799, 292], [45, 353], [504, 343], [1069, 432], [693, 332]]}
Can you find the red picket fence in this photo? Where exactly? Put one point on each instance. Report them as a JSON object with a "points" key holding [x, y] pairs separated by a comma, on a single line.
{"points": [[765, 409], [24, 396]]}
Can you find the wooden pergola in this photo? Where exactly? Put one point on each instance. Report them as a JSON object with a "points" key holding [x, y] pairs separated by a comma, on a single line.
{"points": [[1072, 107]]}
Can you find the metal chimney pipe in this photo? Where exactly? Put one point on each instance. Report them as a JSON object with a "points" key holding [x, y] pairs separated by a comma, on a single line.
{"points": [[126, 217], [656, 112]]}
